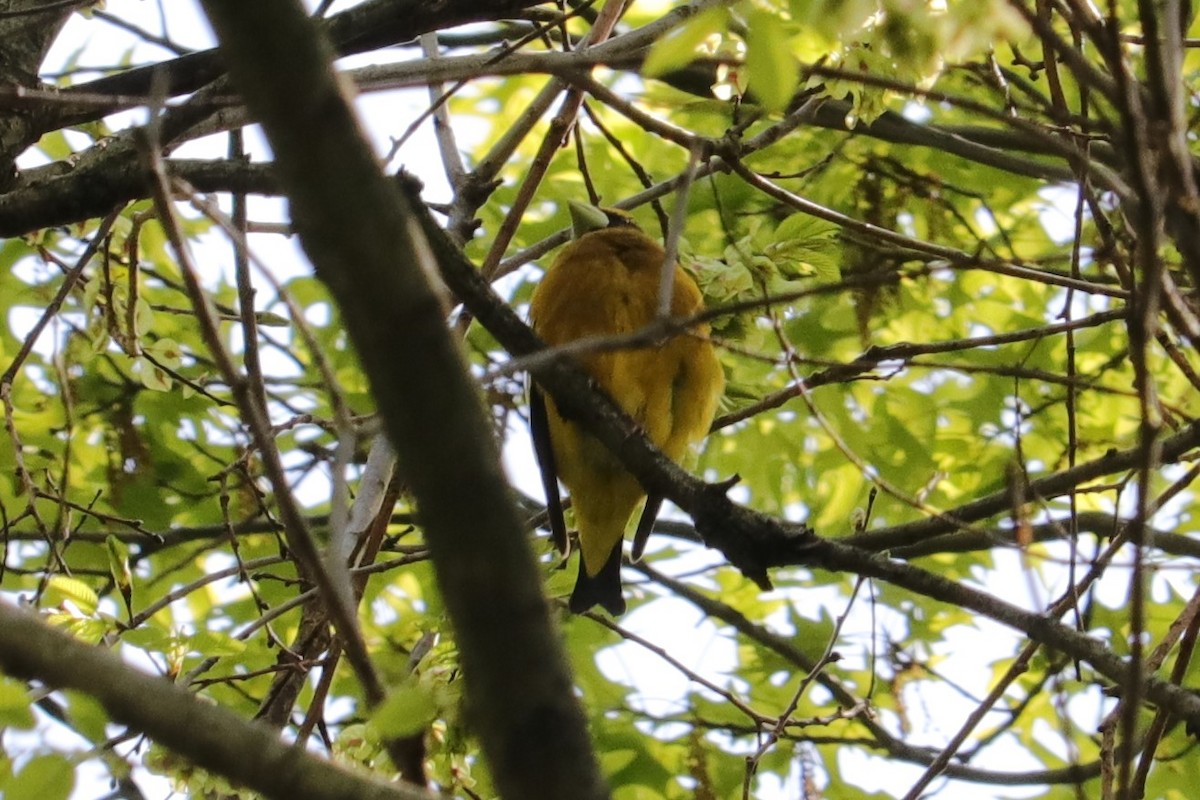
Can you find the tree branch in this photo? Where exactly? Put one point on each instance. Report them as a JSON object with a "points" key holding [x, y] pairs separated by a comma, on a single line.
{"points": [[365, 27], [208, 735], [359, 232], [48, 198]]}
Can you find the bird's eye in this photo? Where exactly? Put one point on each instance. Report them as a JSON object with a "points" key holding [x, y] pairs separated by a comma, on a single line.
{"points": [[618, 220]]}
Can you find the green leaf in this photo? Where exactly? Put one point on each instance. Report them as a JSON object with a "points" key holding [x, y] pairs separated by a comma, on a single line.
{"points": [[88, 716], [772, 69], [679, 47], [44, 777], [118, 560], [215, 643], [151, 636], [61, 588], [54, 145], [408, 709], [16, 707], [151, 375], [143, 317], [166, 351]]}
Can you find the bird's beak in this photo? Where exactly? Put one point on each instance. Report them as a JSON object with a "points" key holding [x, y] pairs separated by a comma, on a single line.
{"points": [[586, 218]]}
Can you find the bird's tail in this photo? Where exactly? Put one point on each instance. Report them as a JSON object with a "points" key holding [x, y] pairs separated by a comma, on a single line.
{"points": [[602, 589]]}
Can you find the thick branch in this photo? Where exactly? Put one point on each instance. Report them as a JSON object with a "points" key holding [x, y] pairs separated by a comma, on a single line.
{"points": [[26, 32], [248, 753], [359, 232], [367, 26], [100, 185]]}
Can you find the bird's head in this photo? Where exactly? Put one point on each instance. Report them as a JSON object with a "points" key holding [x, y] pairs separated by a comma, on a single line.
{"points": [[586, 218]]}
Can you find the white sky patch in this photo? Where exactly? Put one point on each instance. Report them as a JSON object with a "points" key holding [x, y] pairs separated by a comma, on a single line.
{"points": [[1058, 214]]}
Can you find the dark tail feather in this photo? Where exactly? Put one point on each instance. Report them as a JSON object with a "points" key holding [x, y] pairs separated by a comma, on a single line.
{"points": [[603, 589], [649, 515]]}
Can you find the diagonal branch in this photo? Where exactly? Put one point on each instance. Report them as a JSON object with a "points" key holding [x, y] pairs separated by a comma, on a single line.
{"points": [[210, 736], [367, 26], [754, 542]]}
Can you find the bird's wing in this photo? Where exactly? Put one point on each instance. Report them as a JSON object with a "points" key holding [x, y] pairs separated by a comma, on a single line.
{"points": [[539, 425], [645, 524]]}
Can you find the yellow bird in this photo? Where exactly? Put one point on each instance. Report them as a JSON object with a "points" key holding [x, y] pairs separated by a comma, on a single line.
{"points": [[606, 283]]}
